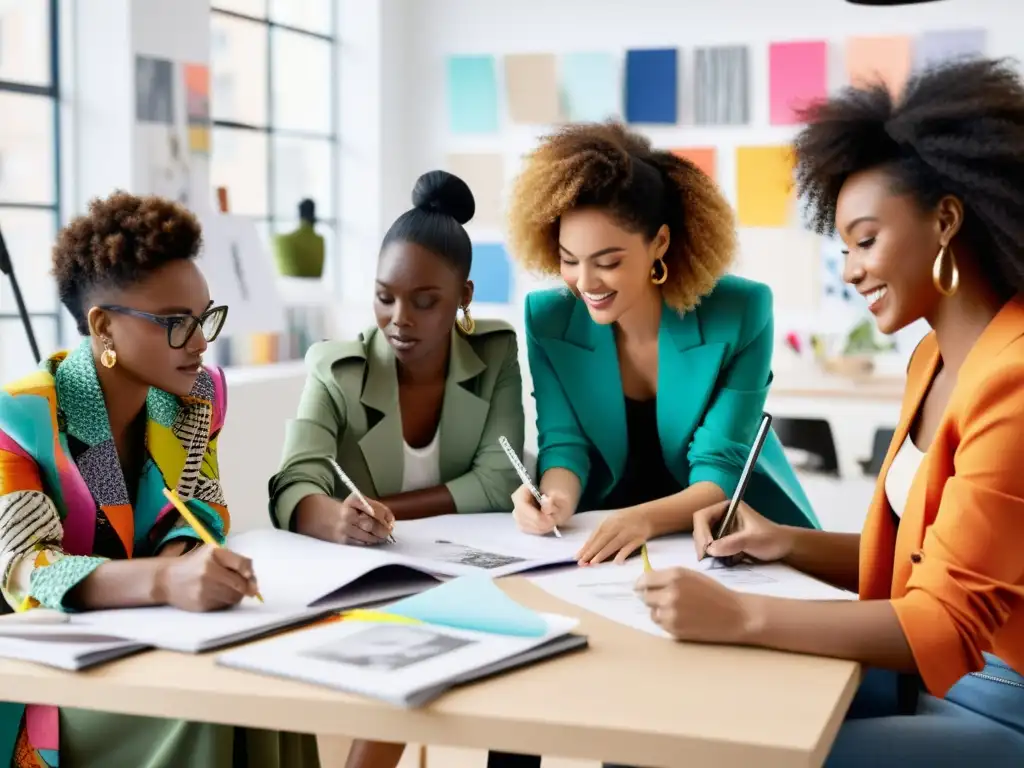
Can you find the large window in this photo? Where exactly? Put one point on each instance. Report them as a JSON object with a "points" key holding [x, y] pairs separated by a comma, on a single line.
{"points": [[274, 118], [29, 176]]}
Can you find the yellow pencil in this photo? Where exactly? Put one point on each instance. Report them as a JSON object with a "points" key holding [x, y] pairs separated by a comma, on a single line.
{"points": [[192, 520], [643, 554]]}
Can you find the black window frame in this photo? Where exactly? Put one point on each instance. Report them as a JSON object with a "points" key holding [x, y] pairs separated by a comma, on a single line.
{"points": [[274, 218]]}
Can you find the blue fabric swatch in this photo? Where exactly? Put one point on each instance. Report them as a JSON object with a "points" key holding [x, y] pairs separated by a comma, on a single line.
{"points": [[590, 87], [472, 94], [471, 602], [491, 273], [652, 86]]}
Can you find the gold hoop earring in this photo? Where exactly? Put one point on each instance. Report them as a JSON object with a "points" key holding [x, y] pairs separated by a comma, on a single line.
{"points": [[466, 323], [938, 267], [659, 271], [108, 357]]}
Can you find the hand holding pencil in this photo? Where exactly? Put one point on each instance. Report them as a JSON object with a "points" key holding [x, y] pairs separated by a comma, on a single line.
{"points": [[208, 578], [362, 520]]}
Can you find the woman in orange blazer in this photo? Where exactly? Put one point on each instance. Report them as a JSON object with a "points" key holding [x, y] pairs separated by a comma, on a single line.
{"points": [[928, 196]]}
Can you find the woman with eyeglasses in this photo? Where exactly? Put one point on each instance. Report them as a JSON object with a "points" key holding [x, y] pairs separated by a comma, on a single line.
{"points": [[87, 445]]}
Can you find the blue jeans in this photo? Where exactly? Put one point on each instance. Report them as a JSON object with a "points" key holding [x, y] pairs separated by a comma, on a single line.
{"points": [[979, 722]]}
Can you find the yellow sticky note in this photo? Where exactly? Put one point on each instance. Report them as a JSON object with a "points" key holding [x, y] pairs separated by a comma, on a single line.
{"points": [[764, 186], [377, 616], [879, 59]]}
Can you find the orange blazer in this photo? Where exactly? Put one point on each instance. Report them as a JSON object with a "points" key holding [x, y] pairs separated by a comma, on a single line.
{"points": [[954, 569]]}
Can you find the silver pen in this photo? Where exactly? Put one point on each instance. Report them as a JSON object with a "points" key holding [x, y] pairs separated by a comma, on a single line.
{"points": [[523, 474], [352, 489]]}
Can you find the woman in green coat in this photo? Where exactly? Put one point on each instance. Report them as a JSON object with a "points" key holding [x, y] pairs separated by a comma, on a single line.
{"points": [[411, 410]]}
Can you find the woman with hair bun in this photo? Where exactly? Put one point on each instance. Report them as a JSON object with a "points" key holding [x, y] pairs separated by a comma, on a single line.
{"points": [[651, 367], [927, 193], [412, 410]]}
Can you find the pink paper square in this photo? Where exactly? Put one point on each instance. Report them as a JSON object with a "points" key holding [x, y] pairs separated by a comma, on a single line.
{"points": [[797, 76]]}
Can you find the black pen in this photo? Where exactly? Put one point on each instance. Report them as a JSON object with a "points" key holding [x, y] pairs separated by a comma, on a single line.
{"points": [[725, 524]]}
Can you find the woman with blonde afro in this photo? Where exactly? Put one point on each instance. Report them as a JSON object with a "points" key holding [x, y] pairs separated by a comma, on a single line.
{"points": [[651, 366]]}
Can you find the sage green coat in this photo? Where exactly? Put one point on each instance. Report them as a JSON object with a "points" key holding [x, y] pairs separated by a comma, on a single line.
{"points": [[349, 411]]}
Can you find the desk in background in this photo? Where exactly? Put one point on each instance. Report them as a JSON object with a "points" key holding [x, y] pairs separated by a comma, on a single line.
{"points": [[631, 698], [854, 408]]}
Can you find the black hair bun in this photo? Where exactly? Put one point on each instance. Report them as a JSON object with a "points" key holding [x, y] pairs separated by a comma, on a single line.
{"points": [[443, 192]]}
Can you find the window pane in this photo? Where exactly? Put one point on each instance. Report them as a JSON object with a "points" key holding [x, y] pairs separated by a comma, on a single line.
{"points": [[240, 163], [26, 149], [238, 61], [314, 15], [303, 168], [29, 236], [248, 7], [25, 41], [16, 358], [303, 82]]}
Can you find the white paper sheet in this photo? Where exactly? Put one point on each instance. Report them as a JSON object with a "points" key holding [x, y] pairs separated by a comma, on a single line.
{"points": [[607, 589]]}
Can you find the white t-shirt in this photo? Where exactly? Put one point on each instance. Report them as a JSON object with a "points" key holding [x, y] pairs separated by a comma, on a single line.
{"points": [[422, 467], [901, 475]]}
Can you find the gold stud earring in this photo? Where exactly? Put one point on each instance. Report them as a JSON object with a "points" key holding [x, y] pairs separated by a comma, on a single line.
{"points": [[939, 266], [659, 271], [108, 357], [466, 323]]}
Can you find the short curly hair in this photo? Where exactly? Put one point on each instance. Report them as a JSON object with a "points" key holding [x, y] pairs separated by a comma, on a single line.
{"points": [[608, 167], [122, 239], [957, 129]]}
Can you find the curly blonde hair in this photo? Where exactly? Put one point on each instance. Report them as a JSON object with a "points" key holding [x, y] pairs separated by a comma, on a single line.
{"points": [[604, 165]]}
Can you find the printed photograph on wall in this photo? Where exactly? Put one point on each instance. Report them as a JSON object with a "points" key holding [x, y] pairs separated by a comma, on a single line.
{"points": [[154, 90]]}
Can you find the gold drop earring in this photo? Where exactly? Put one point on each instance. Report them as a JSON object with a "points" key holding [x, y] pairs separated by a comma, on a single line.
{"points": [[108, 357], [659, 271], [939, 266]]}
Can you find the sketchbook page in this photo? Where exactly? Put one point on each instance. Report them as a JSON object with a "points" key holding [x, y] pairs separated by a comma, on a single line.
{"points": [[607, 590], [492, 542], [296, 570], [69, 651], [188, 632], [392, 662]]}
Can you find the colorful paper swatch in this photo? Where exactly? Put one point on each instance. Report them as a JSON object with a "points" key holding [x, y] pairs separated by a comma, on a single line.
{"points": [[721, 86], [590, 87], [798, 75], [705, 158], [485, 175], [764, 186], [947, 45], [870, 60], [475, 603], [197, 106], [472, 83], [491, 274], [531, 88], [652, 86]]}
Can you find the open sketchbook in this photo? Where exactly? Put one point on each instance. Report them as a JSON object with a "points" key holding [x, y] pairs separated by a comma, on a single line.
{"points": [[410, 652], [302, 579]]}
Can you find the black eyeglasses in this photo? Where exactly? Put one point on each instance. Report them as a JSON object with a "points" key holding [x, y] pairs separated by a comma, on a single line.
{"points": [[180, 327]]}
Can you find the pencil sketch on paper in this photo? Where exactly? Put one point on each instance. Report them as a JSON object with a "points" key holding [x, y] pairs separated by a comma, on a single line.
{"points": [[619, 592], [736, 575], [389, 647], [461, 554]]}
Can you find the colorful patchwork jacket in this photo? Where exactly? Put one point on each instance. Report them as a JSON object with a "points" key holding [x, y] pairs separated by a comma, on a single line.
{"points": [[64, 506]]}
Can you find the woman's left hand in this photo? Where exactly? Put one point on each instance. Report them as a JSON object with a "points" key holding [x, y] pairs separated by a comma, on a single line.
{"points": [[691, 606]]}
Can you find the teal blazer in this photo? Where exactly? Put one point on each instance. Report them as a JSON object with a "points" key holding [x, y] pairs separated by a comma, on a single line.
{"points": [[714, 370]]}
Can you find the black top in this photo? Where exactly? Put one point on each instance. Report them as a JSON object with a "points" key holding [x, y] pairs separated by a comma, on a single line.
{"points": [[645, 477]]}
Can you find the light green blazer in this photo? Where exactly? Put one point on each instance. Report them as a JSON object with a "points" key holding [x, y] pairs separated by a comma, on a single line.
{"points": [[714, 371], [349, 411]]}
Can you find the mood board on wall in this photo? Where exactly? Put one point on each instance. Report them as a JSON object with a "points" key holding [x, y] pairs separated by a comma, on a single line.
{"points": [[684, 88]]}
